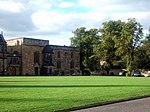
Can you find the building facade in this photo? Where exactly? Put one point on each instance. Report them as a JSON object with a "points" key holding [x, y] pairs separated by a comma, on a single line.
{"points": [[3, 56], [27, 56]]}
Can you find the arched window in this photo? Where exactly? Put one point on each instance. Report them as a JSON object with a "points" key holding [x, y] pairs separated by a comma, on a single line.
{"points": [[47, 59], [1, 48], [36, 57], [65, 54], [71, 55], [58, 64], [72, 64], [15, 53], [58, 54]]}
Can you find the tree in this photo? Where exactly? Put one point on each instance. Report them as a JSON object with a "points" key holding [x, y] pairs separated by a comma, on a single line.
{"points": [[86, 39], [105, 50], [116, 44], [128, 40], [143, 54], [119, 41]]}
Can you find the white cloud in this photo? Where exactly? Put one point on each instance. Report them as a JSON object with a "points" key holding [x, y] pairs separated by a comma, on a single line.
{"points": [[40, 5], [115, 6], [56, 19], [142, 17], [125, 16], [57, 23], [59, 41], [96, 3], [66, 4], [120, 9], [49, 21], [11, 6]]}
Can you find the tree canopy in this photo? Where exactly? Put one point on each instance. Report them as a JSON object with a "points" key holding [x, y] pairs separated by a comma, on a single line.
{"points": [[86, 39], [120, 44]]}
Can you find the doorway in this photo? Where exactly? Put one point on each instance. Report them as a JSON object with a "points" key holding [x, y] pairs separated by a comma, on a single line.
{"points": [[36, 71]]}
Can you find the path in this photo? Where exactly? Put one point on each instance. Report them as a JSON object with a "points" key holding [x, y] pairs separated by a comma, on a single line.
{"points": [[140, 105]]}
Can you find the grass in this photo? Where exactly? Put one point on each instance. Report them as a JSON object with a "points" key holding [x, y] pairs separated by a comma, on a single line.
{"points": [[48, 94]]}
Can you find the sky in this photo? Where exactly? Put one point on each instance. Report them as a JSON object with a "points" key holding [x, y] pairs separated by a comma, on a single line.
{"points": [[55, 20]]}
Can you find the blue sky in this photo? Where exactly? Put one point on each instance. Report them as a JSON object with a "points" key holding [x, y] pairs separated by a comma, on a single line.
{"points": [[55, 20]]}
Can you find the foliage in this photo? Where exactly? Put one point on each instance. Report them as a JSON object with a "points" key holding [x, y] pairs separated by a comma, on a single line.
{"points": [[143, 54], [105, 50], [119, 41], [120, 44], [130, 38], [86, 39]]}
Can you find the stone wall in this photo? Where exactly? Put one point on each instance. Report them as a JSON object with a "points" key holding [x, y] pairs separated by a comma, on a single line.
{"points": [[28, 65], [36, 42], [12, 49], [1, 66], [27, 41], [26, 48], [66, 59], [69, 57]]}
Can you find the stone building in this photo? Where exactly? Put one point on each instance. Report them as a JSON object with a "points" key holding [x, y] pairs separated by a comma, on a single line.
{"points": [[3, 52], [27, 56]]}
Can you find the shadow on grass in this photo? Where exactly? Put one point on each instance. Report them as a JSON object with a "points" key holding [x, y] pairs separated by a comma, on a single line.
{"points": [[26, 99], [68, 86], [18, 81]]}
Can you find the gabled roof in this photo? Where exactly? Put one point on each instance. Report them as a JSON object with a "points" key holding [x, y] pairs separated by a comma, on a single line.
{"points": [[2, 40]]}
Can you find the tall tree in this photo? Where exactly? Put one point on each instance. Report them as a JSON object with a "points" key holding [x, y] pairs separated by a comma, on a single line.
{"points": [[130, 38], [105, 50], [86, 39], [119, 41], [143, 53]]}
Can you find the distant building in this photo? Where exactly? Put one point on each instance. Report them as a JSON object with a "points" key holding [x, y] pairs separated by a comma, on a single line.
{"points": [[27, 56]]}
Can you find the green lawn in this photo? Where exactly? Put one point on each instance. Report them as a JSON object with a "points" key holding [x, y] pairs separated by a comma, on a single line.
{"points": [[45, 94]]}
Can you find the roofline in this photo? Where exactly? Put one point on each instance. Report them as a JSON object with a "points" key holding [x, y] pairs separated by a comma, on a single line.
{"points": [[26, 38], [63, 46]]}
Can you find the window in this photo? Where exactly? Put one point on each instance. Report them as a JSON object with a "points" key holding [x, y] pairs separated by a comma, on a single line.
{"points": [[14, 60], [1, 48], [71, 64], [36, 69], [11, 50], [58, 54], [58, 64], [47, 59], [15, 53], [36, 57], [71, 55], [65, 54]]}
